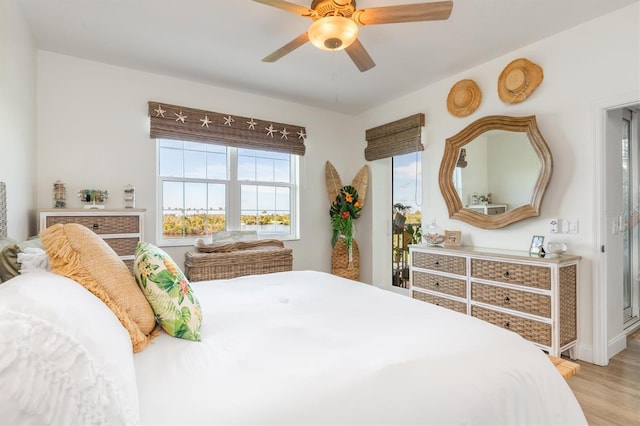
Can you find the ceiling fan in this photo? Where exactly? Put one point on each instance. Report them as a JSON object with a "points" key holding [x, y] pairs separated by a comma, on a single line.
{"points": [[335, 24]]}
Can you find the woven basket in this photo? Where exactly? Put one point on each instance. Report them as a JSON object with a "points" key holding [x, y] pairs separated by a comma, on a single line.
{"points": [[340, 264]]}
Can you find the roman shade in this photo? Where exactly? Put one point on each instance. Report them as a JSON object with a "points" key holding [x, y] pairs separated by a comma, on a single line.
{"points": [[183, 123], [395, 138]]}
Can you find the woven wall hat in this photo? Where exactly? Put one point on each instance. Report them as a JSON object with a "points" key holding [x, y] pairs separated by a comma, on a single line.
{"points": [[518, 80], [464, 98]]}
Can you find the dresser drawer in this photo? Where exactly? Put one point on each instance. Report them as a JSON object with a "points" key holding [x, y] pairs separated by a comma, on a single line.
{"points": [[439, 262], [446, 285], [454, 305], [512, 273], [534, 331], [123, 246], [101, 224], [523, 301]]}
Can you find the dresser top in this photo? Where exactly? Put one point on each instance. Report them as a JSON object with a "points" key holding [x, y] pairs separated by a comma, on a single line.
{"points": [[62, 211], [495, 252]]}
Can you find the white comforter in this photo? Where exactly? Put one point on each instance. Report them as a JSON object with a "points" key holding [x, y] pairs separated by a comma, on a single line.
{"points": [[310, 348]]}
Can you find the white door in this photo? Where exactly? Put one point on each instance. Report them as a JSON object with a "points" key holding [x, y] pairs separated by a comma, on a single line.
{"points": [[621, 227]]}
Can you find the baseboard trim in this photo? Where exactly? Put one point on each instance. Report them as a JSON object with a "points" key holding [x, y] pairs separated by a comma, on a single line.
{"points": [[585, 353], [617, 345]]}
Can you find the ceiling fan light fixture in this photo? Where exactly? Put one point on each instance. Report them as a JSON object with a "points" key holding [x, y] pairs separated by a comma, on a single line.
{"points": [[333, 33]]}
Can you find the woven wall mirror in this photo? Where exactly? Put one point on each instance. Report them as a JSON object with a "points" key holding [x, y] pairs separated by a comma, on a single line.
{"points": [[495, 171]]}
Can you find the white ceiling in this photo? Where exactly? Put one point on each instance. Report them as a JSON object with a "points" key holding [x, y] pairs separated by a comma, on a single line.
{"points": [[222, 42]]}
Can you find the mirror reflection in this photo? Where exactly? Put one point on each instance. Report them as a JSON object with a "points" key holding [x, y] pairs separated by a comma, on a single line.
{"points": [[496, 172]]}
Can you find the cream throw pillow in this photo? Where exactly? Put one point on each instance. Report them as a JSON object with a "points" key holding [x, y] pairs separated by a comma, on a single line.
{"points": [[78, 253]]}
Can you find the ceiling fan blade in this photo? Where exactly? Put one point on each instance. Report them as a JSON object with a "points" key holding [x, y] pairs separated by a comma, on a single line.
{"points": [[287, 48], [434, 11], [289, 7], [360, 56]]}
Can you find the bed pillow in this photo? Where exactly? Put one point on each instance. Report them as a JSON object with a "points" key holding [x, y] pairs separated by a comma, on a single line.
{"points": [[9, 265], [168, 291], [64, 356], [80, 254]]}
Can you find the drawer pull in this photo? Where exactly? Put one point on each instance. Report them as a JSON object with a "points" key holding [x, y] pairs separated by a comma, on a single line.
{"points": [[436, 263], [507, 300], [437, 284], [506, 274], [507, 325], [96, 226]]}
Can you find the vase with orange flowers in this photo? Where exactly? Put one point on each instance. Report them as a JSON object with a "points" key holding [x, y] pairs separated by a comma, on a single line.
{"points": [[344, 211], [346, 203]]}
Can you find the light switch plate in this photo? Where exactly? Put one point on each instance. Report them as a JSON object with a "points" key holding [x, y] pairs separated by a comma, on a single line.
{"points": [[571, 226]]}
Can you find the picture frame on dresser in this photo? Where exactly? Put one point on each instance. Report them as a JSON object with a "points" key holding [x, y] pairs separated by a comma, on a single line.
{"points": [[536, 244], [452, 238]]}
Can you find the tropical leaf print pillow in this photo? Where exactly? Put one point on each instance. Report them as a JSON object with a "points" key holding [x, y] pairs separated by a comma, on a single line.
{"points": [[168, 291]]}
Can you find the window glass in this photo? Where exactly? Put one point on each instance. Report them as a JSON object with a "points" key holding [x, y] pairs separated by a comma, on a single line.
{"points": [[199, 183]]}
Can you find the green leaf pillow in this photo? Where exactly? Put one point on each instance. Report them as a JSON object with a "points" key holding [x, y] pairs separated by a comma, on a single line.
{"points": [[168, 291]]}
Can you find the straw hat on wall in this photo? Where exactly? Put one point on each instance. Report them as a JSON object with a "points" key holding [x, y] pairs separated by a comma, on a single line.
{"points": [[464, 98], [518, 80]]}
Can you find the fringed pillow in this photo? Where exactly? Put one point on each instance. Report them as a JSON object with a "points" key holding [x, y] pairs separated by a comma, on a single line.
{"points": [[78, 253], [168, 291]]}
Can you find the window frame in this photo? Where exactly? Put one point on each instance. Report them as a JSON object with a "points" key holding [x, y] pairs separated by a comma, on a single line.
{"points": [[232, 197]]}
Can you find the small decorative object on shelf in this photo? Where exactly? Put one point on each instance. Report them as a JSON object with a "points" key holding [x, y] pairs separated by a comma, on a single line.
{"points": [[129, 196], [433, 234], [59, 195], [556, 248], [93, 198]]}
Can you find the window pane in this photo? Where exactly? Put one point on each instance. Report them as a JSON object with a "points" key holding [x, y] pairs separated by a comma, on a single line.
{"points": [[169, 143], [407, 217], [172, 209], [216, 148], [217, 220], [246, 167], [195, 146], [195, 197], [283, 170], [264, 169], [265, 209], [217, 165], [195, 164], [171, 161]]}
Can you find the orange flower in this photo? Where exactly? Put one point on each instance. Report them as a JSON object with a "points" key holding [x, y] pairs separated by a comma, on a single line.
{"points": [[345, 215], [348, 197], [357, 204]]}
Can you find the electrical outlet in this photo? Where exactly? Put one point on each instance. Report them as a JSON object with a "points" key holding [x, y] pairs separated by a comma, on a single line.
{"points": [[555, 226]]}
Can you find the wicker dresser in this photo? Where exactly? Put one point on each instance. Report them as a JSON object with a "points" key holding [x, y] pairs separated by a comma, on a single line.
{"points": [[120, 228], [532, 296]]}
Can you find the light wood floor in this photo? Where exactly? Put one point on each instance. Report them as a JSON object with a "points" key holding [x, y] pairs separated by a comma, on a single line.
{"points": [[611, 395]]}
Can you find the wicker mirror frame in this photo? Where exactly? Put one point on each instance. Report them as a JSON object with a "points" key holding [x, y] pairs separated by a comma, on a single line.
{"points": [[527, 125]]}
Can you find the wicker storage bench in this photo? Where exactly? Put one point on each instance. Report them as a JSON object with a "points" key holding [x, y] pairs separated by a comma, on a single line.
{"points": [[199, 266]]}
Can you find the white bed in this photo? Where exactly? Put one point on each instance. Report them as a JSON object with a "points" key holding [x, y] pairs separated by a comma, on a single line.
{"points": [[287, 348]]}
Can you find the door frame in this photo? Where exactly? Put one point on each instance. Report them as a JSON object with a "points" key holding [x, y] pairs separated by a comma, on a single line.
{"points": [[600, 343]]}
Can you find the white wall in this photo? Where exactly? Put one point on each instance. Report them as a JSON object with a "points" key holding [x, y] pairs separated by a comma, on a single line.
{"points": [[17, 120], [582, 66], [94, 132]]}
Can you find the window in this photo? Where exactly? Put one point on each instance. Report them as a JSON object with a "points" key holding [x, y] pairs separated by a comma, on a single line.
{"points": [[205, 188]]}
